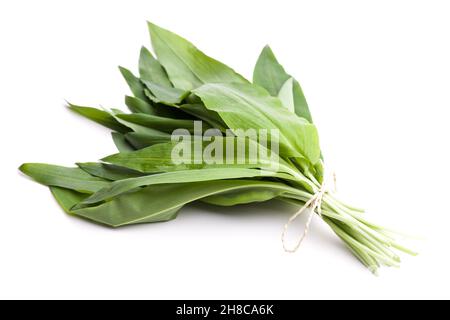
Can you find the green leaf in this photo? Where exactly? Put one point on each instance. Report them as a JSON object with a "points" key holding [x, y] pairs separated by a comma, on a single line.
{"points": [[243, 106], [188, 67], [141, 140], [162, 124], [270, 74], [165, 200], [301, 106], [236, 197], [136, 86], [158, 158], [121, 143], [67, 198], [137, 127], [165, 95], [151, 70], [200, 112], [99, 116], [69, 178], [137, 105], [108, 171], [119, 187], [286, 95]]}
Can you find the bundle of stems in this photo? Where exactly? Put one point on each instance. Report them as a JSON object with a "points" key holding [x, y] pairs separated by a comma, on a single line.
{"points": [[187, 112]]}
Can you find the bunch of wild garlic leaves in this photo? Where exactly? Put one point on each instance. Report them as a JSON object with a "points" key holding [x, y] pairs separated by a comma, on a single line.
{"points": [[175, 91]]}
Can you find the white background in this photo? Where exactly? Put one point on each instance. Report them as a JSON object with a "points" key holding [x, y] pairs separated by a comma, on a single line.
{"points": [[377, 78]]}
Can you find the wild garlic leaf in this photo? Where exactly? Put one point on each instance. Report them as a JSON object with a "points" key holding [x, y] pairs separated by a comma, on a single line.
{"points": [[159, 157], [136, 86], [166, 95], [67, 198], [246, 106], [142, 140], [156, 158], [137, 105], [108, 171], [121, 142], [69, 178], [188, 67], [119, 187], [270, 74], [162, 124], [237, 197], [121, 117], [151, 70], [165, 200], [99, 116], [286, 95], [211, 117], [301, 106]]}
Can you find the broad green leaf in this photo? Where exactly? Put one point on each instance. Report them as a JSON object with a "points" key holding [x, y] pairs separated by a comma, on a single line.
{"points": [[151, 70], [286, 95], [235, 197], [116, 111], [67, 198], [193, 99], [69, 178], [119, 187], [136, 86], [210, 117], [270, 74], [188, 67], [155, 100], [165, 200], [100, 117], [138, 128], [140, 140], [158, 157], [121, 142], [108, 171], [166, 95], [137, 105], [301, 106], [243, 106], [162, 124]]}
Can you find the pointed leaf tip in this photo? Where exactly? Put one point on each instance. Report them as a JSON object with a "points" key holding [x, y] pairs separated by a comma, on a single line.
{"points": [[144, 50], [267, 48], [23, 168], [188, 67], [153, 27]]}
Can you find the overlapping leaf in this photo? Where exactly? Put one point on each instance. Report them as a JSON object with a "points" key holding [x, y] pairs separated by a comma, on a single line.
{"points": [[243, 106], [270, 74], [166, 200], [188, 67], [143, 182]]}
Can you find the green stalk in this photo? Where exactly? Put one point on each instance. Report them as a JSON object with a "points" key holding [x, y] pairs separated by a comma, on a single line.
{"points": [[363, 239]]}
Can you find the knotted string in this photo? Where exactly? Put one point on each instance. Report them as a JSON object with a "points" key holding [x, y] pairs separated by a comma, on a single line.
{"points": [[314, 204]]}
